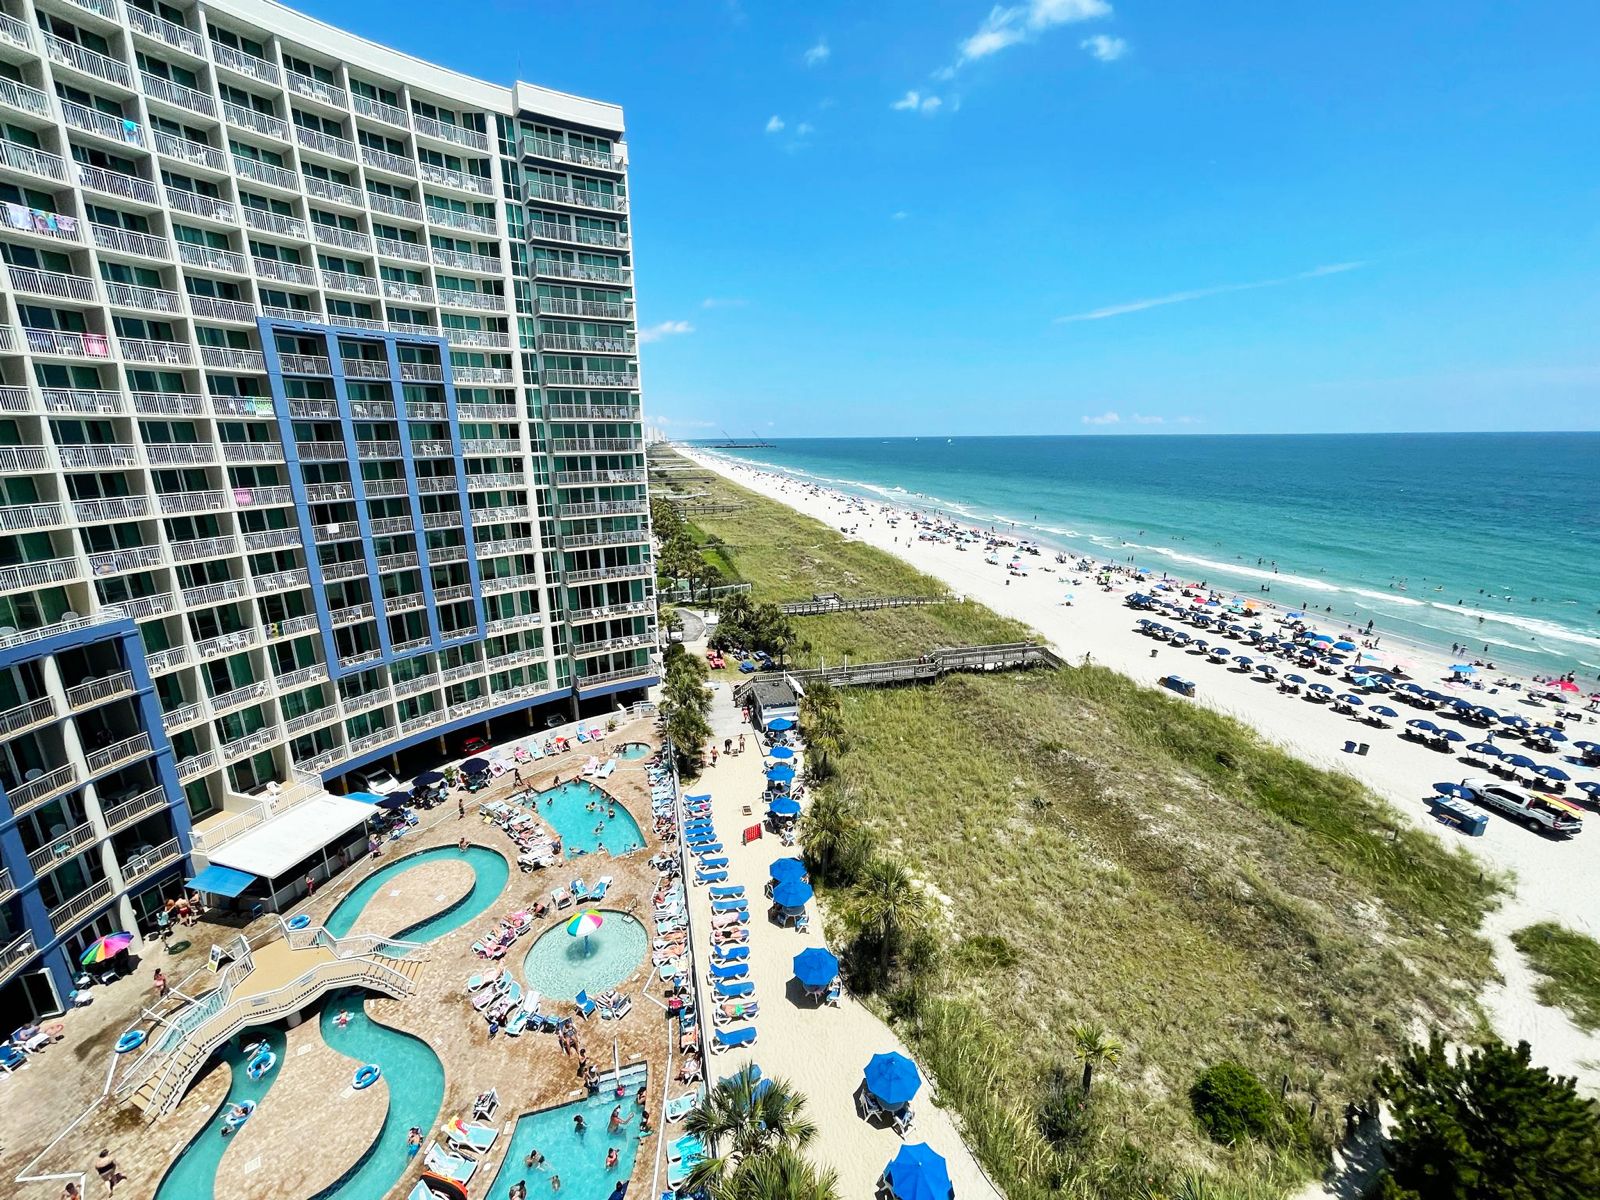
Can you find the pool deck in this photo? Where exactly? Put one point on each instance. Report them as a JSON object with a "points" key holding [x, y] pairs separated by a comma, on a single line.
{"points": [[276, 964]]}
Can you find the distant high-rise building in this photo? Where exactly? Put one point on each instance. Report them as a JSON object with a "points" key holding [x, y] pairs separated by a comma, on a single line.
{"points": [[320, 438]]}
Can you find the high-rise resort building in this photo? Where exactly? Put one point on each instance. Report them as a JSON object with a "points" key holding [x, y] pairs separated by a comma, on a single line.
{"points": [[320, 448]]}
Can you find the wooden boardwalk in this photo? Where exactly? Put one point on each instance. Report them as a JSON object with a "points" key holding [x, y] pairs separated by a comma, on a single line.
{"points": [[818, 605], [1004, 656]]}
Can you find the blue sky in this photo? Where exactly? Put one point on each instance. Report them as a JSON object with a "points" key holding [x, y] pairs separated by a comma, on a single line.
{"points": [[1107, 216]]}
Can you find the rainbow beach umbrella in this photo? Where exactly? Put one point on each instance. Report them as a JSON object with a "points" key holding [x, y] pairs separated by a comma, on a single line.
{"points": [[583, 925], [106, 948]]}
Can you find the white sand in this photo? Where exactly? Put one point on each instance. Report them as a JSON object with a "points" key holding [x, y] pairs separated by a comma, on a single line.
{"points": [[1552, 880], [821, 1050]]}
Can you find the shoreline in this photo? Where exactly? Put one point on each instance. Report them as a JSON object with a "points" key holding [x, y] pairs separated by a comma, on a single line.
{"points": [[1548, 880]]}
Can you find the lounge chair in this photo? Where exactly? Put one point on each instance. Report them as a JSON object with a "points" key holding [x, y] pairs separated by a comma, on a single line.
{"points": [[733, 1011], [598, 891], [580, 891], [585, 1005], [730, 953], [740, 990], [678, 1107], [11, 1058], [713, 864], [560, 899], [451, 1166], [729, 906], [728, 1039], [734, 892], [728, 973], [703, 877], [476, 1139], [621, 1008]]}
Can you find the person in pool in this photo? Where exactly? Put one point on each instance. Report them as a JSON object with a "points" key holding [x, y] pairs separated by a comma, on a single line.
{"points": [[579, 1125], [611, 1158]]}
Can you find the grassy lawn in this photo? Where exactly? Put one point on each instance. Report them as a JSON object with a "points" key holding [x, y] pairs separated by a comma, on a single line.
{"points": [[1570, 964], [1145, 864]]}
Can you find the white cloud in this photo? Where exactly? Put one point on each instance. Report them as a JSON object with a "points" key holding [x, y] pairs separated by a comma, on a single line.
{"points": [[1105, 418], [1007, 25], [818, 54], [1133, 306], [805, 127], [681, 422], [1106, 49], [914, 101], [666, 329], [723, 302], [899, 216], [774, 124]]}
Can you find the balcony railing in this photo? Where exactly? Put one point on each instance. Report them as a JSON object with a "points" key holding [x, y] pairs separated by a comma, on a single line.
{"points": [[212, 258], [585, 344], [169, 404], [195, 549], [157, 88], [14, 32], [314, 89], [39, 789], [64, 916], [409, 251], [121, 508], [222, 310], [127, 241], [487, 301], [325, 143], [227, 643], [394, 206], [263, 123], [555, 268], [67, 345], [244, 64], [382, 160], [24, 98], [25, 716], [142, 866], [231, 359], [267, 173], [131, 810], [344, 281], [196, 154], [493, 339], [239, 696], [172, 354], [576, 235], [52, 283], [604, 379], [128, 295], [176, 36], [98, 691], [583, 156], [288, 272], [458, 134], [197, 764], [538, 189], [214, 593], [561, 307], [86, 61], [34, 162], [119, 562], [114, 183], [60, 848], [438, 214], [348, 239], [379, 111], [101, 124], [461, 180]]}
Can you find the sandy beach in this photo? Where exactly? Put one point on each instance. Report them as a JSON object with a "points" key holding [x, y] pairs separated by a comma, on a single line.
{"points": [[1549, 880]]}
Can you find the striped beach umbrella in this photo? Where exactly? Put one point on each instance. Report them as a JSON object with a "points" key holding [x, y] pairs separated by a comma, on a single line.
{"points": [[585, 923], [106, 948]]}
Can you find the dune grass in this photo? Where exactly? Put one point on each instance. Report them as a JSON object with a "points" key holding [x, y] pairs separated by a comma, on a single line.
{"points": [[1570, 964], [1106, 853]]}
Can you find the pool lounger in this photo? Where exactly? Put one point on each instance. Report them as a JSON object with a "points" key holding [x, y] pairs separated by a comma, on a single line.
{"points": [[475, 1138], [726, 906], [451, 1166], [710, 876], [678, 1107], [706, 848], [714, 864], [689, 1146], [735, 991], [601, 886], [731, 953], [722, 1040], [730, 971], [735, 892]]}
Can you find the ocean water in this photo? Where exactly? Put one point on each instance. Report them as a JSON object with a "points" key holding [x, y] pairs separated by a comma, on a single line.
{"points": [[1491, 540]]}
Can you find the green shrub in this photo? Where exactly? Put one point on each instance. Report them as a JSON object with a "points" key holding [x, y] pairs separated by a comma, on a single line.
{"points": [[1231, 1104]]}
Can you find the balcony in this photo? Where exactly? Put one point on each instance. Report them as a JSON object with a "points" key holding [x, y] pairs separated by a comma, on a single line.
{"points": [[314, 89], [583, 156], [421, 372], [585, 344], [438, 214], [509, 583], [555, 306], [197, 764], [64, 916], [126, 241], [163, 661], [40, 788], [14, 33], [121, 508], [641, 671], [169, 354], [98, 691], [408, 251], [417, 683], [130, 811], [101, 124], [605, 612], [147, 299], [599, 478], [197, 549], [457, 135], [33, 162], [325, 143], [239, 697], [379, 111], [575, 235], [211, 258], [382, 160], [175, 94], [244, 64], [26, 716], [555, 268], [214, 593], [87, 62], [16, 399], [280, 581], [52, 283], [394, 206], [614, 537], [57, 344], [287, 272], [632, 641], [305, 364], [271, 539], [196, 154], [492, 339], [596, 445], [61, 847], [344, 281], [360, 658], [367, 700], [114, 183], [602, 379], [19, 518], [641, 570], [143, 866], [227, 643], [484, 301], [120, 562], [310, 720], [514, 621], [265, 124], [345, 239], [232, 360], [460, 180], [442, 520], [551, 193], [237, 311], [169, 404], [340, 617], [266, 173], [8, 888], [176, 36], [502, 376], [26, 458]]}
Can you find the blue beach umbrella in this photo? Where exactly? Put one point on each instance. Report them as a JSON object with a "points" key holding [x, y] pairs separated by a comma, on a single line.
{"points": [[1322, 689], [1352, 700], [1450, 735], [784, 806], [1520, 760], [395, 800], [1344, 645], [1425, 726], [1588, 747], [1454, 790], [1554, 774], [781, 752], [892, 1078], [1379, 710], [779, 724], [1488, 749], [1294, 616], [1591, 790], [475, 766], [1461, 705], [1295, 678], [1485, 714], [1320, 637], [428, 779], [1516, 721], [782, 773], [815, 967], [1549, 734], [918, 1173], [786, 869], [792, 894]]}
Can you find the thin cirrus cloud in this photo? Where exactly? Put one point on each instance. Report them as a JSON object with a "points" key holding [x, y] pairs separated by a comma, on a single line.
{"points": [[818, 54], [665, 329], [775, 124], [1115, 418], [1106, 49], [918, 102], [1223, 289]]}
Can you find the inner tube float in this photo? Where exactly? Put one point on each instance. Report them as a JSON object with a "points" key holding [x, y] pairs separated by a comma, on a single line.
{"points": [[366, 1076], [262, 1060], [131, 1040], [237, 1116], [299, 921]]}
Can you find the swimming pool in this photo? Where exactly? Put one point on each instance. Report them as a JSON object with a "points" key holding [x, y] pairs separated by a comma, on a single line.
{"points": [[586, 820], [633, 751], [413, 1071], [560, 966], [579, 1158], [193, 1175]]}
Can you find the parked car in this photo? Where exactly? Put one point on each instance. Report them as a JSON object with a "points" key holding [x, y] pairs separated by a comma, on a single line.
{"points": [[1538, 813], [376, 780], [473, 745]]}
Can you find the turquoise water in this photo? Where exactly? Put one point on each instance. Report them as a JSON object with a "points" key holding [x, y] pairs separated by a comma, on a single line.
{"points": [[633, 751], [559, 966], [580, 1159], [194, 1174], [413, 1071], [565, 809], [1502, 527]]}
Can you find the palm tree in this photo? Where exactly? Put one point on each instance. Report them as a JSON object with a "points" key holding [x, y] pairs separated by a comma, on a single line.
{"points": [[888, 906], [745, 1118], [1094, 1047], [824, 830], [782, 1173]]}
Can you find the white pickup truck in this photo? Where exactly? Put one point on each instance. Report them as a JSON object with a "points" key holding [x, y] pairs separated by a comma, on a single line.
{"points": [[1536, 812]]}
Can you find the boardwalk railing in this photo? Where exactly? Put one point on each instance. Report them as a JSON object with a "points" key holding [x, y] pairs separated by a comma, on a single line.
{"points": [[818, 605], [1004, 656]]}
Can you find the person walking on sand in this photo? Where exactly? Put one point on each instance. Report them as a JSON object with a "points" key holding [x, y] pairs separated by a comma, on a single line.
{"points": [[461, 808]]}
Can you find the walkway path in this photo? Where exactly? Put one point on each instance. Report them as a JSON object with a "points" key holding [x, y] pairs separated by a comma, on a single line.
{"points": [[822, 1051]]}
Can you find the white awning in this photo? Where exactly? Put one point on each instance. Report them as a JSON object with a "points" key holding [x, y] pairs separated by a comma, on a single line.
{"points": [[276, 845]]}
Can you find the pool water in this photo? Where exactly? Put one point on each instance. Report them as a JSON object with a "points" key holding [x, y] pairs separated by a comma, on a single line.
{"points": [[560, 966], [414, 1074], [582, 830], [633, 751], [579, 1158]]}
